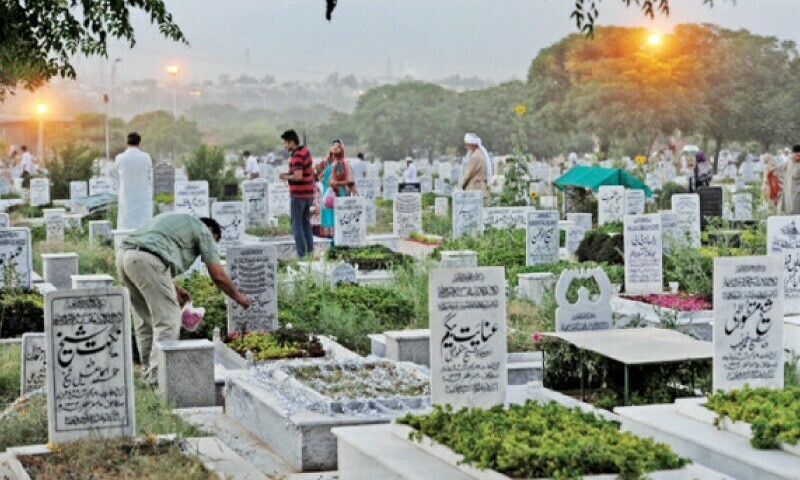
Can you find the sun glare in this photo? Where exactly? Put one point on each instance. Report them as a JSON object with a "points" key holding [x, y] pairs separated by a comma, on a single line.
{"points": [[654, 39]]}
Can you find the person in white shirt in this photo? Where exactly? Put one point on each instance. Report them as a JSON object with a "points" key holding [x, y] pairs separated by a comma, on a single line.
{"points": [[133, 170], [251, 165], [357, 167], [410, 174], [26, 164]]}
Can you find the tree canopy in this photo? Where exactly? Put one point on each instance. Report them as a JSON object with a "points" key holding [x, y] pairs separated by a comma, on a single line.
{"points": [[40, 37]]}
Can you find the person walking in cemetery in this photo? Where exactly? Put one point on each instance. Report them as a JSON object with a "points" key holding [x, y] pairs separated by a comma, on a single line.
{"points": [[476, 175], [770, 185], [410, 173], [703, 170], [26, 163], [250, 165], [789, 200], [301, 189], [147, 262], [133, 170], [357, 167]]}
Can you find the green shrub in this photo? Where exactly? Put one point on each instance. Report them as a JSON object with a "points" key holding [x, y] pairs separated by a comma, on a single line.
{"points": [[664, 197], [504, 248], [373, 257], [601, 248], [21, 311], [10, 359], [71, 163], [693, 270], [205, 294]]}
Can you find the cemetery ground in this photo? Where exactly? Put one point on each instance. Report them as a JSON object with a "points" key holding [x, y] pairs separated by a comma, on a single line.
{"points": [[357, 363]]}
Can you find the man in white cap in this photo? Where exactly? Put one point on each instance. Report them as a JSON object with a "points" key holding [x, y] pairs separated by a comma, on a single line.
{"points": [[478, 171]]}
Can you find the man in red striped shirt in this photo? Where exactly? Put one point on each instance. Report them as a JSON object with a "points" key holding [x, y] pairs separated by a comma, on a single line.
{"points": [[301, 189]]}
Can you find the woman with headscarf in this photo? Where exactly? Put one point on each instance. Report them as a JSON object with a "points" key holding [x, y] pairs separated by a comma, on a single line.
{"points": [[476, 175], [703, 171], [323, 171], [770, 186]]}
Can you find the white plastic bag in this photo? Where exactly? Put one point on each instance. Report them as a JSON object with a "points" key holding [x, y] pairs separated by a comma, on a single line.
{"points": [[191, 317]]}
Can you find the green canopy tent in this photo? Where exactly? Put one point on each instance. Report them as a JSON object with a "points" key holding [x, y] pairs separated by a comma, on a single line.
{"points": [[595, 177]]}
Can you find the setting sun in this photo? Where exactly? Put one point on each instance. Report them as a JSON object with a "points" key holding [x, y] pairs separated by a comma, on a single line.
{"points": [[41, 108], [654, 39]]}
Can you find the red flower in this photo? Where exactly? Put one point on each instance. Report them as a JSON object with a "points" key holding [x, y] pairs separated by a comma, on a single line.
{"points": [[536, 336]]}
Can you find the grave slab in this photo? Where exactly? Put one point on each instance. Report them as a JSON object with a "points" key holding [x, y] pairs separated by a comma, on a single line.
{"points": [[186, 373]]}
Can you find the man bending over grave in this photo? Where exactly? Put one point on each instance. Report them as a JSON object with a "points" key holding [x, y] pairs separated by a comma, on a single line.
{"points": [[147, 262]]}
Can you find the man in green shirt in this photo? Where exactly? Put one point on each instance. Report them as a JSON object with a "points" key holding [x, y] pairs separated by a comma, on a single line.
{"points": [[147, 262]]}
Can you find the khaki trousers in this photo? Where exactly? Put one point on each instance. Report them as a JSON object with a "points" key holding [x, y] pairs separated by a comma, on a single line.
{"points": [[157, 315]]}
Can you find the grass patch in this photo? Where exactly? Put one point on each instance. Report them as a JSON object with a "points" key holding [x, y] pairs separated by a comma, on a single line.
{"points": [[116, 459], [10, 358], [95, 259]]}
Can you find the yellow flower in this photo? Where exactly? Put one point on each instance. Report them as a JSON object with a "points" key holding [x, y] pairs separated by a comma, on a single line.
{"points": [[534, 194], [640, 160], [53, 447], [520, 109]]}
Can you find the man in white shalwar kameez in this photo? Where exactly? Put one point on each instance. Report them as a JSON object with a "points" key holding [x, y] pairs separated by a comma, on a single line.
{"points": [[133, 170]]}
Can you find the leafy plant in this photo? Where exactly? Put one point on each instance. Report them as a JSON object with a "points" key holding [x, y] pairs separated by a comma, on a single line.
{"points": [[21, 311], [373, 257], [542, 441], [72, 162], [10, 359]]}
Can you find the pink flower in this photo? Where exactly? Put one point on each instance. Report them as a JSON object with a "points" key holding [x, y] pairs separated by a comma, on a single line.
{"points": [[536, 336]]}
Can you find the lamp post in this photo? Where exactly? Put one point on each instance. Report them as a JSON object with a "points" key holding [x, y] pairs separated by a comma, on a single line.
{"points": [[41, 109], [173, 70]]}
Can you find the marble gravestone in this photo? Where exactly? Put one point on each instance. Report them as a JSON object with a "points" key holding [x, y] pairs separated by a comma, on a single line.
{"points": [[643, 254], [279, 199], [192, 197], [102, 186], [610, 205], [467, 212], [653, 180], [90, 374], [584, 314], [468, 336], [583, 220], [445, 170], [343, 273], [426, 183], [542, 239], [456, 174], [441, 207], [34, 362], [349, 218], [505, 218], [669, 229], [407, 214], [367, 188], [266, 172], [783, 240], [39, 192], [739, 185], [230, 216], [163, 179], [711, 203], [390, 183], [548, 202], [748, 322], [743, 206], [254, 271], [5, 187], [15, 253], [4, 220], [255, 197], [634, 201], [54, 224], [574, 237], [78, 189], [687, 208], [100, 231]]}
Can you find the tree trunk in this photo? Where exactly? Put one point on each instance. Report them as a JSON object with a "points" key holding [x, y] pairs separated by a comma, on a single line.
{"points": [[652, 142], [717, 148], [605, 147]]}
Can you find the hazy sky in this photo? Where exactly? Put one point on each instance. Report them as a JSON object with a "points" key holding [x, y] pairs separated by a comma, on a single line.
{"points": [[429, 39]]}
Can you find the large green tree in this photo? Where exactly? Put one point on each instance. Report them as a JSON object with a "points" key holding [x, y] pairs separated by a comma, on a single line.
{"points": [[39, 38], [163, 135]]}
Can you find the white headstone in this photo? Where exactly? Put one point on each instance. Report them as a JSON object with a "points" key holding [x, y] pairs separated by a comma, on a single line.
{"points": [[367, 188], [100, 231], [15, 253], [426, 183], [54, 224], [4, 220], [230, 216], [445, 170], [585, 314], [40, 192], [164, 178], [279, 199], [687, 207], [505, 218], [256, 208], [192, 197], [468, 336], [102, 186], [90, 372], [34, 363], [574, 237], [441, 207], [266, 172], [407, 214], [634, 201], [467, 212], [643, 254], [343, 273], [541, 246], [350, 226], [748, 322], [581, 219], [253, 269], [783, 240], [670, 233], [653, 180], [739, 185], [549, 202], [610, 206], [5, 186], [78, 189], [390, 183], [743, 206]]}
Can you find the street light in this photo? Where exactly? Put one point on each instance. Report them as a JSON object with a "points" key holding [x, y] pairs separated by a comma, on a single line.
{"points": [[41, 109], [173, 70]]}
